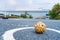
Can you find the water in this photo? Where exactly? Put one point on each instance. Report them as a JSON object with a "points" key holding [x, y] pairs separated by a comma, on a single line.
{"points": [[38, 14], [7, 24]]}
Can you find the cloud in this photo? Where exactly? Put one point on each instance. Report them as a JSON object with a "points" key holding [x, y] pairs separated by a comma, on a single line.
{"points": [[30, 2], [26, 4], [11, 2]]}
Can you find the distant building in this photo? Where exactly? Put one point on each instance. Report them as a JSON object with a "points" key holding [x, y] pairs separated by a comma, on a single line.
{"points": [[1, 15], [47, 16]]}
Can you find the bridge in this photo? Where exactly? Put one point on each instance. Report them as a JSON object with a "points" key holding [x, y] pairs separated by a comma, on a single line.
{"points": [[23, 11]]}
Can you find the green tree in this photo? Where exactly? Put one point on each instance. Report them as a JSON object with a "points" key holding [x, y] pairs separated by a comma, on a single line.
{"points": [[23, 15], [30, 16], [53, 13]]}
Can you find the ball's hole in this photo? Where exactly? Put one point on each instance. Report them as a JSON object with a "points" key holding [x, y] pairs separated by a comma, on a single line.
{"points": [[42, 25]]}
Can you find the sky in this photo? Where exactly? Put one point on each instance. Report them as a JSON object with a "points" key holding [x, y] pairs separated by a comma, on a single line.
{"points": [[27, 4]]}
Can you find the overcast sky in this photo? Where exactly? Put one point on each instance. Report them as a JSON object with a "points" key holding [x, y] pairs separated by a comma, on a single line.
{"points": [[27, 4]]}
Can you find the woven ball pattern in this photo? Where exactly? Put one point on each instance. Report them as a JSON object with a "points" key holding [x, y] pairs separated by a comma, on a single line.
{"points": [[40, 27]]}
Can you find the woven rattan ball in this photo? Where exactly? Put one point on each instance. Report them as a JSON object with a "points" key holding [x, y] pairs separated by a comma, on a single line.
{"points": [[40, 27]]}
